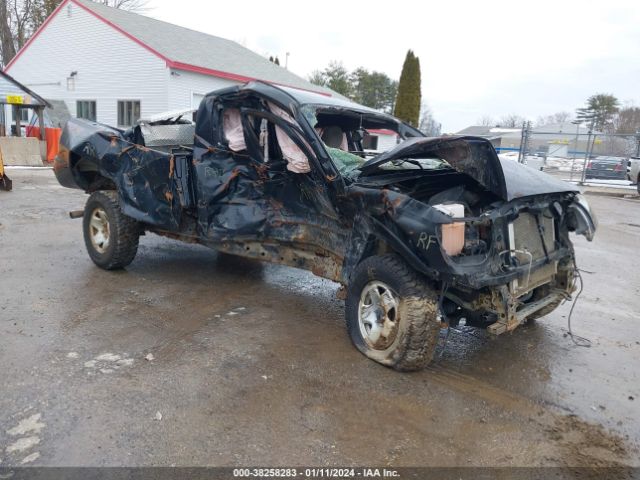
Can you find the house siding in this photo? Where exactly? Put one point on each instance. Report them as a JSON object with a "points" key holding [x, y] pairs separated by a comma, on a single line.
{"points": [[110, 66], [185, 88], [386, 142]]}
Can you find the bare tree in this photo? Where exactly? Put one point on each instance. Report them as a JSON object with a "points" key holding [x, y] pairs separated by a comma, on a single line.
{"points": [[627, 120], [428, 124], [511, 121], [7, 47], [558, 117], [486, 121], [130, 5], [16, 24], [19, 19], [562, 117]]}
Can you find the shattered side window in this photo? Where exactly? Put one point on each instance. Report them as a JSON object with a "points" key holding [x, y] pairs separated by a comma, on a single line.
{"points": [[309, 113], [297, 161], [232, 128], [337, 146], [345, 162]]}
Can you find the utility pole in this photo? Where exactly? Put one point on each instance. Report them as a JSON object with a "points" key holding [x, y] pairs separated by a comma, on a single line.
{"points": [[520, 152], [524, 142], [586, 158], [575, 150], [286, 61]]}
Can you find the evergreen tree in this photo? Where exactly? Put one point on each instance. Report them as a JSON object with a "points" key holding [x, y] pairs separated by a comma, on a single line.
{"points": [[599, 112], [337, 78], [409, 95], [318, 77], [373, 89], [277, 60]]}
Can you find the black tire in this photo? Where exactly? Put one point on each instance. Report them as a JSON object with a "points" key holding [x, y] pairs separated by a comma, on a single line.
{"points": [[416, 334], [123, 232]]}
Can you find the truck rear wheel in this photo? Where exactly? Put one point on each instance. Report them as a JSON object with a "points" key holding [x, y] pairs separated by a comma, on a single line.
{"points": [[392, 313], [110, 236]]}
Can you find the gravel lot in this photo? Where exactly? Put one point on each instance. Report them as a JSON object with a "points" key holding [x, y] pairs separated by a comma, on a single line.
{"points": [[193, 358]]}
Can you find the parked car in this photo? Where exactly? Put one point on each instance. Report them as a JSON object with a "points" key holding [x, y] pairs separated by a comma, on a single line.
{"points": [[607, 168], [634, 171], [431, 232]]}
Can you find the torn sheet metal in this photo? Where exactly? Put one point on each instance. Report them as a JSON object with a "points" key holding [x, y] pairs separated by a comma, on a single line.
{"points": [[476, 158], [259, 181]]}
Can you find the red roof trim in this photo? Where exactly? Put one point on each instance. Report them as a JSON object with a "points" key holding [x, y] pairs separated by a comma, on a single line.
{"points": [[170, 63], [231, 76], [382, 131], [207, 71], [35, 35]]}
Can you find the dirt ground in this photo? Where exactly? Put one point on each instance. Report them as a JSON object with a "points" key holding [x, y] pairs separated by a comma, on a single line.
{"points": [[193, 358]]}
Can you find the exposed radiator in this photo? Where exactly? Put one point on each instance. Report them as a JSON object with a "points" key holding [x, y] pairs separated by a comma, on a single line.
{"points": [[524, 236]]}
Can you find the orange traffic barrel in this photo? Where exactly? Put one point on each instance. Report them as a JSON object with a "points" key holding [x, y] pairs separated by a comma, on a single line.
{"points": [[52, 137]]}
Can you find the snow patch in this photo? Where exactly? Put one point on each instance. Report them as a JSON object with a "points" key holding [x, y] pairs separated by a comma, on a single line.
{"points": [[23, 444], [108, 357], [30, 458], [108, 362], [31, 424]]}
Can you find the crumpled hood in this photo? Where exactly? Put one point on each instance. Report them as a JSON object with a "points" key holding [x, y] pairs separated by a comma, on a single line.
{"points": [[476, 157]]}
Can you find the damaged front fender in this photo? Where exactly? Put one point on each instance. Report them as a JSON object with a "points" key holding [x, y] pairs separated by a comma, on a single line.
{"points": [[583, 219]]}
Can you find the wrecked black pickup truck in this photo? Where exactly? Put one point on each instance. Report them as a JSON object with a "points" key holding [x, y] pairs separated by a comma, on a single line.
{"points": [[431, 232]]}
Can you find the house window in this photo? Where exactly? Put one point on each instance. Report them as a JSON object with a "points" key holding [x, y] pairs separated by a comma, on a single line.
{"points": [[370, 142], [128, 112], [86, 109], [24, 114]]}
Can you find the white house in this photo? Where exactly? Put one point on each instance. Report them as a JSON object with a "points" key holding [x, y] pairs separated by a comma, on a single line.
{"points": [[115, 66], [380, 140]]}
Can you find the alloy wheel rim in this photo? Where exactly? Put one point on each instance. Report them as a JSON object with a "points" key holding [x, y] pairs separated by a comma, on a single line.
{"points": [[99, 230], [378, 316]]}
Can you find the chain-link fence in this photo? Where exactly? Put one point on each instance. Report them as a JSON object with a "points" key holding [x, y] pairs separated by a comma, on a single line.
{"points": [[579, 155]]}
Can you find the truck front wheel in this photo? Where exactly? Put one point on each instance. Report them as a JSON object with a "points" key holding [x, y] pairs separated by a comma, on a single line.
{"points": [[392, 313], [110, 236]]}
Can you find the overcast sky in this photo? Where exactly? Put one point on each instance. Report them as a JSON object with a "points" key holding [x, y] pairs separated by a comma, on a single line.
{"points": [[477, 58]]}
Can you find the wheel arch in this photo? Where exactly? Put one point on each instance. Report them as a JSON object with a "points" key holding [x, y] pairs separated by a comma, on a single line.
{"points": [[370, 237]]}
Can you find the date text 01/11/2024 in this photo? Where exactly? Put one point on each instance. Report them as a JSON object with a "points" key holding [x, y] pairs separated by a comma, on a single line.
{"points": [[316, 472]]}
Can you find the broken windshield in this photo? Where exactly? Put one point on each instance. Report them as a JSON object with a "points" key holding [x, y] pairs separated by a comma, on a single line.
{"points": [[353, 136], [415, 164]]}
